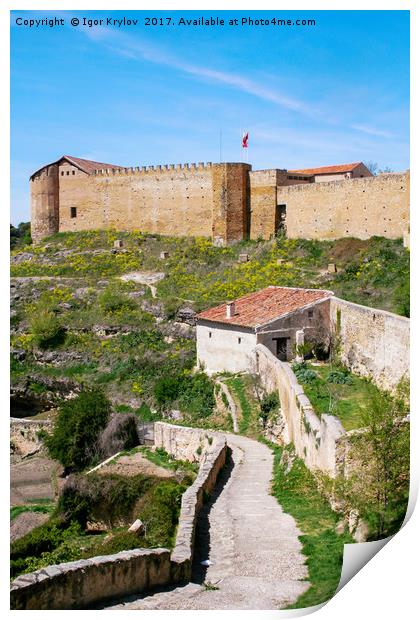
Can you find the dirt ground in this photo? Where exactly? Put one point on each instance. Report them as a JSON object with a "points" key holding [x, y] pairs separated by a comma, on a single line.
{"points": [[135, 464], [33, 478], [25, 522]]}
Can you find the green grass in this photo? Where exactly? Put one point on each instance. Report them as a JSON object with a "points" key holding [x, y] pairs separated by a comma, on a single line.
{"points": [[298, 494], [45, 507], [240, 389], [347, 402]]}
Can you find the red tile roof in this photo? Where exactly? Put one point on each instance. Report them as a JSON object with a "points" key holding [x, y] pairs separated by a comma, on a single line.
{"points": [[86, 165], [328, 169], [266, 305]]}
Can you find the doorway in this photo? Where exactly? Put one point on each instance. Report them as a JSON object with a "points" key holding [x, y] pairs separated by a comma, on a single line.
{"points": [[281, 348], [280, 222]]}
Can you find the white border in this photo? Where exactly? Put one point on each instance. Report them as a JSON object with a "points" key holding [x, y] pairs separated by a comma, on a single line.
{"points": [[387, 586]]}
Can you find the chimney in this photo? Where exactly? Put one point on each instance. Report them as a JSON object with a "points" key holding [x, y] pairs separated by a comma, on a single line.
{"points": [[230, 309]]}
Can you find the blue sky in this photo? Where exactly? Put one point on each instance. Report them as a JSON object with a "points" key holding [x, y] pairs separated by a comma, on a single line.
{"points": [[334, 93]]}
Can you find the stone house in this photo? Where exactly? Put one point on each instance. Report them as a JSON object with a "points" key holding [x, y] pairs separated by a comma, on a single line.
{"points": [[277, 317], [324, 174]]}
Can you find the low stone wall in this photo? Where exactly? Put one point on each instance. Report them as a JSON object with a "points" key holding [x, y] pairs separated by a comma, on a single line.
{"points": [[76, 585], [80, 584], [186, 441], [315, 439], [374, 343]]}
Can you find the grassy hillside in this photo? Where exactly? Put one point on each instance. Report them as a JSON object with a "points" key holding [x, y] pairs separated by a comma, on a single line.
{"points": [[76, 323]]}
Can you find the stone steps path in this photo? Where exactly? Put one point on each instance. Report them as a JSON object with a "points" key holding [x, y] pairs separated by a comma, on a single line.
{"points": [[253, 546]]}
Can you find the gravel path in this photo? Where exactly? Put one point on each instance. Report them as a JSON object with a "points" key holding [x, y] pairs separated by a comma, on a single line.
{"points": [[253, 546]]}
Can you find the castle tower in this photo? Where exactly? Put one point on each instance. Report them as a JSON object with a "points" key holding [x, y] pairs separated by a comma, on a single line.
{"points": [[44, 202]]}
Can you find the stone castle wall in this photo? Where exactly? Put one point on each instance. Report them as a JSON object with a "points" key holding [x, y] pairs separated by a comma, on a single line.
{"points": [[362, 208], [191, 199], [227, 202]]}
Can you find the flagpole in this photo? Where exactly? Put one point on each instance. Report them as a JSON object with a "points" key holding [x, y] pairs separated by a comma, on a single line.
{"points": [[220, 146]]}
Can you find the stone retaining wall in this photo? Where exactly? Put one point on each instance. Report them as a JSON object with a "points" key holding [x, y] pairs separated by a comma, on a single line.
{"points": [[183, 443], [80, 584], [374, 343], [315, 439], [76, 585]]}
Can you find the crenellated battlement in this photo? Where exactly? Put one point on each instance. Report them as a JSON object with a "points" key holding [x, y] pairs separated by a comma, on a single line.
{"points": [[160, 168]]}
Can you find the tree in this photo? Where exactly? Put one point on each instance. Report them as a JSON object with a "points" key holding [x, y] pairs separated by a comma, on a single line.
{"points": [[20, 235], [372, 166], [379, 483], [74, 439]]}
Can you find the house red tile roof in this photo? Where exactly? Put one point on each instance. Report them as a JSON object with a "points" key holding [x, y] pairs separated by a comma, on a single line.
{"points": [[328, 169], [266, 305], [86, 165]]}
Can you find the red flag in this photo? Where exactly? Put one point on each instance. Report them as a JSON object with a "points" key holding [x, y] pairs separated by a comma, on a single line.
{"points": [[245, 140]]}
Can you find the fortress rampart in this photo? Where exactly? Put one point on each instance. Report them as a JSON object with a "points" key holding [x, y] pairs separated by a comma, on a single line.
{"points": [[227, 202]]}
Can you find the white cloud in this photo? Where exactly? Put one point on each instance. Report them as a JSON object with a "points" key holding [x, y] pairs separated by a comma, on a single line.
{"points": [[372, 131], [127, 46]]}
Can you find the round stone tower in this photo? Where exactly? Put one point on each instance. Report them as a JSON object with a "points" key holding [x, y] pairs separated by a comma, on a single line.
{"points": [[44, 202]]}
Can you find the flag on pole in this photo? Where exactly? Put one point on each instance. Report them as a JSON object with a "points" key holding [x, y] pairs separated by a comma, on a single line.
{"points": [[245, 140]]}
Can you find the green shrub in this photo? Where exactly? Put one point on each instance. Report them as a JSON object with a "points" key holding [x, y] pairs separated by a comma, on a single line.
{"points": [[108, 498], [306, 376], [167, 390], [73, 441], [46, 329], [197, 395], [340, 377], [43, 539], [401, 298], [114, 298], [269, 403], [160, 513]]}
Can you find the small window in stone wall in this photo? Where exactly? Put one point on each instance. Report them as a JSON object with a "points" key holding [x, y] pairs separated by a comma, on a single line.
{"points": [[310, 314], [209, 334], [73, 172], [62, 173], [73, 212], [68, 172], [239, 340]]}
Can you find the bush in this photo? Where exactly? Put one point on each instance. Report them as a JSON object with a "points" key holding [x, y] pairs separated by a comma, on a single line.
{"points": [[21, 235], [167, 390], [340, 377], [76, 432], [269, 403], [306, 376], [40, 540], [47, 329], [160, 513], [107, 498], [197, 395], [119, 434], [193, 393], [402, 298], [114, 298]]}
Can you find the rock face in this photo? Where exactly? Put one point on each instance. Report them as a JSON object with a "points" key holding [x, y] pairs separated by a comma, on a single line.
{"points": [[187, 315], [34, 394]]}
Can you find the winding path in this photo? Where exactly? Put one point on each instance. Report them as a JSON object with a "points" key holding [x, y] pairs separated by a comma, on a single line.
{"points": [[253, 547]]}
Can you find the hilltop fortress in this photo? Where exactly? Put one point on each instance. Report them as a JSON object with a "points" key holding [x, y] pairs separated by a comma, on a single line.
{"points": [[225, 201]]}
